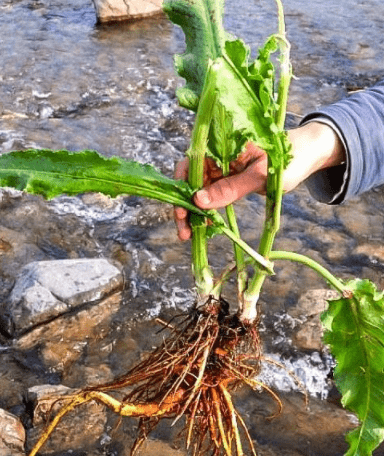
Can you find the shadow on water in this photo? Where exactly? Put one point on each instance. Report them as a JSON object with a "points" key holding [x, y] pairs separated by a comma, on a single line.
{"points": [[67, 82]]}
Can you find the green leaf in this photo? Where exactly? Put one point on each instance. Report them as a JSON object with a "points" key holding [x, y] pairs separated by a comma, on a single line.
{"points": [[355, 334], [243, 111], [259, 76], [52, 173], [201, 21], [221, 138], [245, 108]]}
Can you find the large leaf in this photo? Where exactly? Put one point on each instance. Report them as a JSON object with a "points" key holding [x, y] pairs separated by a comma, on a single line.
{"points": [[52, 173], [355, 334], [243, 114], [258, 78], [201, 21], [245, 107]]}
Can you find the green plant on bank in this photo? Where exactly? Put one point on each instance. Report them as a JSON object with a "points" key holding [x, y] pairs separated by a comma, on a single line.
{"points": [[236, 101]]}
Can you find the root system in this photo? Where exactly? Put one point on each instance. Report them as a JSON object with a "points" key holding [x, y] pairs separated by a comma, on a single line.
{"points": [[191, 374]]}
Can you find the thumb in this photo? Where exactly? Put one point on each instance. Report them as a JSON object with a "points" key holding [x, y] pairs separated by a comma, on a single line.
{"points": [[229, 189]]}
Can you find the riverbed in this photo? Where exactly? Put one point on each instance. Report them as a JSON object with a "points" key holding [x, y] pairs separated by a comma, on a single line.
{"points": [[67, 82]]}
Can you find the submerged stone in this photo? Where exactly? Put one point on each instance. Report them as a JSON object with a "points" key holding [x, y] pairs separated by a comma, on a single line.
{"points": [[311, 304], [120, 10], [47, 289], [66, 339], [77, 430]]}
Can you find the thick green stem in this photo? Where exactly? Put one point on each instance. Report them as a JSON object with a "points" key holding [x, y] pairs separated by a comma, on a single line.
{"points": [[274, 180], [196, 153], [200, 267]]}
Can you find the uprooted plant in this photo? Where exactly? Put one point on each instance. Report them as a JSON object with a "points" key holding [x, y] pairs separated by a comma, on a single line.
{"points": [[211, 352]]}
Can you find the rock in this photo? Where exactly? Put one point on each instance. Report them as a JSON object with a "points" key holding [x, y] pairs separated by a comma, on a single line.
{"points": [[12, 435], [47, 289], [63, 340], [309, 336], [308, 309], [298, 425], [121, 10], [359, 220], [313, 302], [373, 251], [80, 428]]}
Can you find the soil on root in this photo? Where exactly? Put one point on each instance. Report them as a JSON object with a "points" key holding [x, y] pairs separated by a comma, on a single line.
{"points": [[191, 374]]}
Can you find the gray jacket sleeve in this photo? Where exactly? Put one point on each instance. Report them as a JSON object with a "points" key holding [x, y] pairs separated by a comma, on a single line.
{"points": [[359, 122]]}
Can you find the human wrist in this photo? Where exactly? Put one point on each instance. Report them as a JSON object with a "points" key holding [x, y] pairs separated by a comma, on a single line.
{"points": [[320, 143], [315, 146]]}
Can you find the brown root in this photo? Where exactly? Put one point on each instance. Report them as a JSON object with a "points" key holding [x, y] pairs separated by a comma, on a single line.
{"points": [[192, 374]]}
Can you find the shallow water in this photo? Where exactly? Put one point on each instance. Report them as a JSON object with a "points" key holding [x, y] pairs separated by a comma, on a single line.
{"points": [[67, 82]]}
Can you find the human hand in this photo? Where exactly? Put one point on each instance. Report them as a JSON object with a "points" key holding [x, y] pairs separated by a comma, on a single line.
{"points": [[315, 146], [247, 174]]}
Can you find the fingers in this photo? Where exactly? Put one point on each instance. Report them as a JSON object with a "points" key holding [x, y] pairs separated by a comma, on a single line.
{"points": [[181, 169], [248, 174], [183, 229], [226, 191], [181, 215]]}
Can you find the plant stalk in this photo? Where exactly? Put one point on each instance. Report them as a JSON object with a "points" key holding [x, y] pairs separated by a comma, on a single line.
{"points": [[196, 153], [274, 179], [242, 276], [296, 257]]}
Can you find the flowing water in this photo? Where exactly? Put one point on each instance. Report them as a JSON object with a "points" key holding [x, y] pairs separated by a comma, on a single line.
{"points": [[67, 82]]}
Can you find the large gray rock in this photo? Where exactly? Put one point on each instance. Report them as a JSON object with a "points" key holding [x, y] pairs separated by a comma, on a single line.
{"points": [[68, 338], [12, 435], [47, 289], [121, 10]]}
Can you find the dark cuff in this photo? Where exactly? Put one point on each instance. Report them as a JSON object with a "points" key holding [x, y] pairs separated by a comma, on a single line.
{"points": [[329, 185]]}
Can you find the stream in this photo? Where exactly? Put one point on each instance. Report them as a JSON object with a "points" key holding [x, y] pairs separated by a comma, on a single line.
{"points": [[68, 83]]}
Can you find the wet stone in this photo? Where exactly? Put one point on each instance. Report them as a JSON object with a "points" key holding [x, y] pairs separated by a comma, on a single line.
{"points": [[64, 340], [372, 251], [120, 10], [12, 435], [47, 289], [309, 334], [318, 427]]}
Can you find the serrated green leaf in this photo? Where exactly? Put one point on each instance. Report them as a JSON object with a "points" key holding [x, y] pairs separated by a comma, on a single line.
{"points": [[52, 173], [355, 335], [259, 76], [201, 21], [244, 91], [243, 111], [221, 141]]}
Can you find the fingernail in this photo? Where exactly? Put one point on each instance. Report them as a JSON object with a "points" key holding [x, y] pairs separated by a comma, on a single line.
{"points": [[203, 197]]}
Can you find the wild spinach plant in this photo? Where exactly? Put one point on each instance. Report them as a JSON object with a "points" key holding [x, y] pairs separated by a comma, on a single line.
{"points": [[236, 101]]}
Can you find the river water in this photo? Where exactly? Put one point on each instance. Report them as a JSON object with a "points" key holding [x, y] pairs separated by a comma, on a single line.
{"points": [[67, 82]]}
